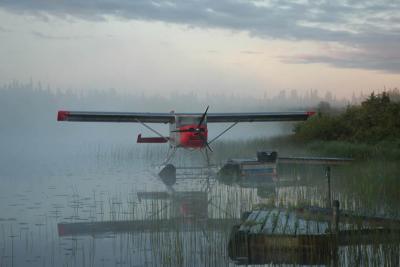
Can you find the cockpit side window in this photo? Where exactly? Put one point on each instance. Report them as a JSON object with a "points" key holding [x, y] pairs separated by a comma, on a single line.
{"points": [[187, 120]]}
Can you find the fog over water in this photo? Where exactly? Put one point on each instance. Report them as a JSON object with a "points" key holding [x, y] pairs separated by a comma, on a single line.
{"points": [[61, 181], [30, 133], [86, 194]]}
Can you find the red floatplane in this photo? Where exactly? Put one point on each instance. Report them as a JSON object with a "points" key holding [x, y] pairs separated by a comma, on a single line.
{"points": [[186, 130]]}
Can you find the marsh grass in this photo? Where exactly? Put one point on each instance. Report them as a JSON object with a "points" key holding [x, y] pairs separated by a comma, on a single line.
{"points": [[178, 247], [370, 187], [373, 186]]}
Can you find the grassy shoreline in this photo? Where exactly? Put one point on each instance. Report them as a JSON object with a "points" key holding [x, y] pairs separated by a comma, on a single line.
{"points": [[359, 151], [288, 145]]}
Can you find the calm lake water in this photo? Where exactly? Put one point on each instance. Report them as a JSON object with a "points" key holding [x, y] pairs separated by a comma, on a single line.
{"points": [[45, 213], [82, 190]]}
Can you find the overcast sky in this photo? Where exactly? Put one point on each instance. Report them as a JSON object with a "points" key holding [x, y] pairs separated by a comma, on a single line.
{"points": [[241, 47]]}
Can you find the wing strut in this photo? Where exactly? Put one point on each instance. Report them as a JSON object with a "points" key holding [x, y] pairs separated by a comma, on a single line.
{"points": [[223, 132]]}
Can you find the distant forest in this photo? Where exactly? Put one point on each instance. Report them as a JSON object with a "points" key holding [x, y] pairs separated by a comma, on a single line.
{"points": [[28, 110], [29, 106], [31, 138]]}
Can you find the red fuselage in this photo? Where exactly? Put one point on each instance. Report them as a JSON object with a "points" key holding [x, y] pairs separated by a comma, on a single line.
{"points": [[189, 138], [187, 131]]}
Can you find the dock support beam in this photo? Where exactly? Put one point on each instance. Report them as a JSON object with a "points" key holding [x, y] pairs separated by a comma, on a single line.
{"points": [[328, 176], [335, 217]]}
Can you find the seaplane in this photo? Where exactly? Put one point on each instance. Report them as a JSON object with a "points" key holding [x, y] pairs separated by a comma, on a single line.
{"points": [[186, 130]]}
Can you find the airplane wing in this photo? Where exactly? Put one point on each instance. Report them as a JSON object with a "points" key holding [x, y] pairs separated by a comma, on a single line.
{"points": [[115, 117], [259, 116], [92, 116]]}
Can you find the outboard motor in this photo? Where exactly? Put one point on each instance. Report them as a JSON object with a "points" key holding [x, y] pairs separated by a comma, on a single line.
{"points": [[267, 156]]}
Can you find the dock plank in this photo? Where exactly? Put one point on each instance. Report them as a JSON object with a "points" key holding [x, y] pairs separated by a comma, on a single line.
{"points": [[259, 222], [250, 220], [269, 224], [281, 222]]}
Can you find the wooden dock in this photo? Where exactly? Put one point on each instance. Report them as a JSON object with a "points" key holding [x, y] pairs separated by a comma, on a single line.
{"points": [[304, 236]]}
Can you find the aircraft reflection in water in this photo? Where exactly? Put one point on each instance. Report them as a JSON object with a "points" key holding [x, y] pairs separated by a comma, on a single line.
{"points": [[202, 211], [177, 227], [187, 211], [175, 210]]}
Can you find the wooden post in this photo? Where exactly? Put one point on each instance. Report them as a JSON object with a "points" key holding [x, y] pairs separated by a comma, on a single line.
{"points": [[335, 217], [328, 176]]}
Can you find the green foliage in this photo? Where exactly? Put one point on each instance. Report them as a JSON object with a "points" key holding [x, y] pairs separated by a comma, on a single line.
{"points": [[361, 151], [377, 119]]}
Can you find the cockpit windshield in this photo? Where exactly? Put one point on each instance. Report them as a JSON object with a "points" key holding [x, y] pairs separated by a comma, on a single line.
{"points": [[188, 120]]}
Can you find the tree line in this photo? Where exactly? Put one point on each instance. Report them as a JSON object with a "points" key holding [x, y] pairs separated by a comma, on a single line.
{"points": [[375, 120]]}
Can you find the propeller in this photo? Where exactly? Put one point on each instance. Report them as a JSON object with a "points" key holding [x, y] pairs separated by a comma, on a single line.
{"points": [[198, 130], [198, 127], [202, 118]]}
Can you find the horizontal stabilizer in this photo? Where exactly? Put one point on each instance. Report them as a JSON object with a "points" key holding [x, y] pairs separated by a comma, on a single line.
{"points": [[141, 139]]}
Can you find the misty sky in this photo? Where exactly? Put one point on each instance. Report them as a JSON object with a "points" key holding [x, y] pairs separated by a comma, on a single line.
{"points": [[240, 47]]}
